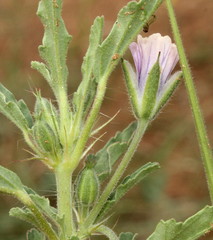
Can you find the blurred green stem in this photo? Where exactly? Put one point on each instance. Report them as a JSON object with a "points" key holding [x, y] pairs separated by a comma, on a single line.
{"points": [[205, 148], [139, 132]]}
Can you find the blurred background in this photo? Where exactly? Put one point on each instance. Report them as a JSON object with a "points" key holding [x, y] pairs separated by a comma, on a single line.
{"points": [[178, 189]]}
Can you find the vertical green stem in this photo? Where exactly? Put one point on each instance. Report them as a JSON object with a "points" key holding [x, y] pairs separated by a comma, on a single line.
{"points": [[142, 125], [64, 198], [89, 122], [199, 122]]}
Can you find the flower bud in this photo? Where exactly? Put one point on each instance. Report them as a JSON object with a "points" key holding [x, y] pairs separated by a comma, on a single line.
{"points": [[87, 188], [152, 84], [45, 137]]}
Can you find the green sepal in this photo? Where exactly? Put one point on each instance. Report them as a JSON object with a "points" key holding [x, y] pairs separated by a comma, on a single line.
{"points": [[10, 183], [149, 95], [46, 111], [33, 234], [87, 187], [127, 183], [46, 138], [14, 110], [25, 214], [132, 86], [167, 91], [54, 45], [86, 90], [193, 228], [127, 236], [112, 151]]}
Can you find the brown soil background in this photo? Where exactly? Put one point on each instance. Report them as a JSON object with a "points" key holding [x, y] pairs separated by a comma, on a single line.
{"points": [[179, 189]]}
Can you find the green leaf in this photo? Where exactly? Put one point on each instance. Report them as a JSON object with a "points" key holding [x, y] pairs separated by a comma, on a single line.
{"points": [[16, 111], [193, 228], [127, 236], [86, 90], [25, 111], [130, 21], [26, 215], [44, 205], [54, 45], [10, 183], [112, 151], [33, 234], [127, 183], [109, 233]]}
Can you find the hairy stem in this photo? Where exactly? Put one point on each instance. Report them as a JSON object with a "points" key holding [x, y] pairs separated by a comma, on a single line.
{"points": [[203, 140], [141, 127], [64, 198]]}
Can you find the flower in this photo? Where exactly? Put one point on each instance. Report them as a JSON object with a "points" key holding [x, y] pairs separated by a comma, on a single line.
{"points": [[152, 84]]}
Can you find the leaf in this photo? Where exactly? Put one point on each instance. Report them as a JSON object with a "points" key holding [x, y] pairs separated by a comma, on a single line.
{"points": [[26, 215], [84, 95], [111, 152], [44, 205], [25, 111], [130, 21], [128, 182], [10, 183], [109, 233], [33, 234], [54, 45], [193, 228], [127, 236], [16, 111]]}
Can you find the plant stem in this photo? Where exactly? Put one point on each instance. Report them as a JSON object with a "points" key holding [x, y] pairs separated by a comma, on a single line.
{"points": [[199, 121], [44, 225], [89, 122], [64, 198], [141, 127]]}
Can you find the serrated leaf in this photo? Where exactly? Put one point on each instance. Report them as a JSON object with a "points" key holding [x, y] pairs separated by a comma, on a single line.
{"points": [[44, 205], [193, 228], [26, 215], [130, 21], [42, 68], [86, 90], [127, 236], [128, 182], [16, 111], [54, 45], [33, 234], [10, 183], [111, 152]]}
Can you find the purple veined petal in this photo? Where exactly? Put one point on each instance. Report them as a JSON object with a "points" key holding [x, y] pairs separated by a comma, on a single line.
{"points": [[169, 63], [134, 48], [145, 54]]}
